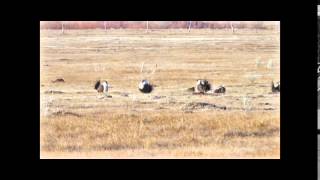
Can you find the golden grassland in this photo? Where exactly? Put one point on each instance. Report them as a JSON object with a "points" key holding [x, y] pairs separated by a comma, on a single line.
{"points": [[168, 123]]}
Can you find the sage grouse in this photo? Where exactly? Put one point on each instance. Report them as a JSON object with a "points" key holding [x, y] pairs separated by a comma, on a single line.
{"points": [[202, 86], [220, 89], [101, 87], [275, 87], [145, 86]]}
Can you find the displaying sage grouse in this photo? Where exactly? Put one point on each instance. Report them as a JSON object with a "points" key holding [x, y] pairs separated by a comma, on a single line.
{"points": [[275, 87], [202, 86], [101, 87], [220, 89], [145, 86]]}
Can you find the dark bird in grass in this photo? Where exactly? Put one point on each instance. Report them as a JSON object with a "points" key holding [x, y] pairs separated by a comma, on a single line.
{"points": [[220, 89], [145, 86], [275, 87], [101, 87], [202, 86]]}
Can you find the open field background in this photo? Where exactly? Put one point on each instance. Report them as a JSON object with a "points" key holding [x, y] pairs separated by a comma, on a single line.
{"points": [[170, 122]]}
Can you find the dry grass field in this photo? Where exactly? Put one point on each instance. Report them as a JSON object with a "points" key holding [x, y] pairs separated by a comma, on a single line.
{"points": [[170, 122]]}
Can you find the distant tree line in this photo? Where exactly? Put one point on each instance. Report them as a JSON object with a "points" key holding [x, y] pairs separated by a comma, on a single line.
{"points": [[156, 24]]}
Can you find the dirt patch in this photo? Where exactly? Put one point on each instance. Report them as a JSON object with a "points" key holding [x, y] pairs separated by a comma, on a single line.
{"points": [[202, 105], [146, 102], [263, 133], [64, 59], [53, 92], [59, 80], [252, 109], [265, 104], [124, 94], [67, 113], [209, 93], [158, 97], [103, 97], [269, 109]]}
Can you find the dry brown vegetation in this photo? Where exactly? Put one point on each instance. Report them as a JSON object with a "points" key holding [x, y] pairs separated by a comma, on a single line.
{"points": [[170, 122]]}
